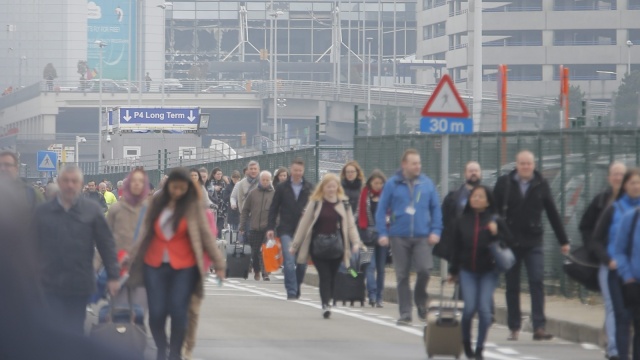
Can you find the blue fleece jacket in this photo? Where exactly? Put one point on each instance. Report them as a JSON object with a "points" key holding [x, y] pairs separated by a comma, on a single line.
{"points": [[621, 207], [397, 198], [628, 261]]}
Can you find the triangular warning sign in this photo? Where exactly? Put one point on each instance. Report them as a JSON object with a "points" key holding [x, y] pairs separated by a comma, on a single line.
{"points": [[445, 101], [47, 163]]}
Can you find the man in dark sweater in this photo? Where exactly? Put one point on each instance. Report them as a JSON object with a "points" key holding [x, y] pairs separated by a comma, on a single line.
{"points": [[521, 196], [95, 195], [289, 201], [68, 229]]}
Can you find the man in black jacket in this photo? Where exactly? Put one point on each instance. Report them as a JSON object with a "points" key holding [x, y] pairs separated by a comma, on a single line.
{"points": [[521, 196], [288, 204], [68, 230], [453, 205], [95, 195]]}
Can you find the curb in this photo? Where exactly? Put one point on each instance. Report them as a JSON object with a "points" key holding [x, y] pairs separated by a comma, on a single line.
{"points": [[566, 330]]}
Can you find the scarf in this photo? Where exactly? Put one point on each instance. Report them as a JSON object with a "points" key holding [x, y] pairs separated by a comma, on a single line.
{"points": [[131, 199], [363, 207], [352, 185]]}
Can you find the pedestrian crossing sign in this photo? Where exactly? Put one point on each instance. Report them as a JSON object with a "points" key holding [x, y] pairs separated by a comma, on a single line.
{"points": [[47, 161]]}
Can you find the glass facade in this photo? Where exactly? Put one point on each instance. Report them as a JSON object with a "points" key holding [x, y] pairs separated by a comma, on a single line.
{"points": [[208, 35]]}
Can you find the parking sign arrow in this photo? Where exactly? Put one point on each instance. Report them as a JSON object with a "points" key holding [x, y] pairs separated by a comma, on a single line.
{"points": [[126, 116], [191, 117]]}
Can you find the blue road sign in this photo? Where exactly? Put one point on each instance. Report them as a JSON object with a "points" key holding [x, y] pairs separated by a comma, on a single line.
{"points": [[157, 118], [443, 125], [47, 161]]}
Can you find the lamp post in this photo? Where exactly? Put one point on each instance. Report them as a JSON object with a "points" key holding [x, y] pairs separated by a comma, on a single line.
{"points": [[282, 103], [164, 7], [369, 87], [629, 45], [275, 15], [79, 139], [101, 45]]}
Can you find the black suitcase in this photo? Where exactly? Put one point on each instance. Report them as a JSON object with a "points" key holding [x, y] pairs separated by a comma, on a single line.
{"points": [[238, 261], [231, 236], [349, 289]]}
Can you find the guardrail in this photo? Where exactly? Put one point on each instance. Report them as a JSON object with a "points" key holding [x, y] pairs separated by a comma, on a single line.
{"points": [[594, 7], [584, 42], [508, 8], [508, 43]]}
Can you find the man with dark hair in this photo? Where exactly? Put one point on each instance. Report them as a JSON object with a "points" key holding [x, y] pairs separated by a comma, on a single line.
{"points": [[521, 196], [9, 170], [93, 194], [289, 201]]}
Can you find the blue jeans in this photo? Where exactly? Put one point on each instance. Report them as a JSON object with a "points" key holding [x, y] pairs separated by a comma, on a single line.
{"points": [[293, 274], [609, 314], [375, 285], [477, 293], [533, 259], [624, 319], [169, 294]]}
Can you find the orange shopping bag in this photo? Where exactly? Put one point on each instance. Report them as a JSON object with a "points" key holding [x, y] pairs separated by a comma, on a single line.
{"points": [[272, 256]]}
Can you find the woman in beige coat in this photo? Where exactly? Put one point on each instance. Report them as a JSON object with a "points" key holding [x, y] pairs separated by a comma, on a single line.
{"points": [[168, 259], [328, 215]]}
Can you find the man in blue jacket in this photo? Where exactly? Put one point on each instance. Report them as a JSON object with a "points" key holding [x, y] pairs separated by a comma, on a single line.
{"points": [[411, 200]]}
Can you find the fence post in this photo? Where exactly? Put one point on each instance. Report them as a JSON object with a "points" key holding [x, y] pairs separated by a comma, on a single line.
{"points": [[317, 149], [166, 160], [160, 161]]}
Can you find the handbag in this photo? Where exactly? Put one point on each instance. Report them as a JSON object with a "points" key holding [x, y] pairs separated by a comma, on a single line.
{"points": [[369, 236], [580, 267], [126, 336], [328, 246], [503, 256]]}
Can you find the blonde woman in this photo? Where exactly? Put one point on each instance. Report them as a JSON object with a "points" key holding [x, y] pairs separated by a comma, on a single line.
{"points": [[327, 232]]}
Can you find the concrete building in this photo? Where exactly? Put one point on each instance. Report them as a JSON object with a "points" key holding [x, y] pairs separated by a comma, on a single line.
{"points": [[534, 37]]}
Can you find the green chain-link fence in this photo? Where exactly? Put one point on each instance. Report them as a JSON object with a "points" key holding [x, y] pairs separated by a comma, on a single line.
{"points": [[574, 162]]}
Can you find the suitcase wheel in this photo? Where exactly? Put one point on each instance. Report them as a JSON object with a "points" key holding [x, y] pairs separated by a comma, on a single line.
{"points": [[246, 275]]}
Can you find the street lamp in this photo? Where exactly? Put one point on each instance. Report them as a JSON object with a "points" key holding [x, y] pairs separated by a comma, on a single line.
{"points": [[282, 103], [274, 51], [101, 45], [369, 39], [79, 139], [164, 7], [629, 45]]}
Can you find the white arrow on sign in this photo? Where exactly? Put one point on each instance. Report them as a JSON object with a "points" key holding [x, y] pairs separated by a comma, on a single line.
{"points": [[191, 117], [126, 116]]}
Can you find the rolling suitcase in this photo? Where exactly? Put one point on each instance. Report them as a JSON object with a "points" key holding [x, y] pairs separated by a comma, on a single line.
{"points": [[238, 261], [231, 236], [443, 333], [349, 289]]}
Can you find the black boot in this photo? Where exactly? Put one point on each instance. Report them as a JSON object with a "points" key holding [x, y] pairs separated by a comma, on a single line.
{"points": [[467, 350], [479, 354]]}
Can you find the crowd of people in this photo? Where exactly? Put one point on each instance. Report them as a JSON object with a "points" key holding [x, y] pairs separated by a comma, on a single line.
{"points": [[165, 240]]}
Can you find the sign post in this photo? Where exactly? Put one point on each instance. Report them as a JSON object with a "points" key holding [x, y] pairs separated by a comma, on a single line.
{"points": [[445, 113]]}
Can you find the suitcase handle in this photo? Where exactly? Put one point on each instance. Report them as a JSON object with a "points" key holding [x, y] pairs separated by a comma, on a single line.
{"points": [[132, 313], [454, 298]]}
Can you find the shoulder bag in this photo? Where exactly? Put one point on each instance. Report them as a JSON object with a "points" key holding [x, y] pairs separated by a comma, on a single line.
{"points": [[328, 246]]}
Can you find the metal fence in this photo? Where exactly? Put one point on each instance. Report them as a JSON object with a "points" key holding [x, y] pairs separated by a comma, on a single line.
{"points": [[574, 162]]}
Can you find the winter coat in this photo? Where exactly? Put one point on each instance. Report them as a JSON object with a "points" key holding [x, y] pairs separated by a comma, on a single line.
{"points": [[590, 218], [256, 209], [626, 248], [200, 236], [397, 198], [524, 213], [601, 244], [352, 190], [233, 216], [286, 207], [122, 220], [304, 235]]}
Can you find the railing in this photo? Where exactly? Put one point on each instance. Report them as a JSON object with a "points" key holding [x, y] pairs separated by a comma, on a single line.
{"points": [[633, 7], [584, 42], [438, 34], [456, 47], [605, 76], [494, 77], [507, 42], [439, 3], [594, 7], [458, 12], [508, 8]]}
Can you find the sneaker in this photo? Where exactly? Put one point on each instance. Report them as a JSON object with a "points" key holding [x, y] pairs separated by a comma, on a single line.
{"points": [[326, 311], [403, 322], [266, 278], [422, 313]]}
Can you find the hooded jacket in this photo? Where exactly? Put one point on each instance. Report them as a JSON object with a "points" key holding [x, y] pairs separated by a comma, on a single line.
{"points": [[397, 198], [256, 209], [601, 244], [625, 248]]}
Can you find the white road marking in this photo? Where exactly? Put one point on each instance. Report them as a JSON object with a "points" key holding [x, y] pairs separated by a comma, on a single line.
{"points": [[507, 351], [588, 346], [409, 330]]}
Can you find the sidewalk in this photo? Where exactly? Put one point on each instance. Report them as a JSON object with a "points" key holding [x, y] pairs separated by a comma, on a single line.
{"points": [[567, 319]]}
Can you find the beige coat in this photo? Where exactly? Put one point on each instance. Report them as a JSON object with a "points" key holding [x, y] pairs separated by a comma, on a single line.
{"points": [[201, 240], [122, 219], [304, 232]]}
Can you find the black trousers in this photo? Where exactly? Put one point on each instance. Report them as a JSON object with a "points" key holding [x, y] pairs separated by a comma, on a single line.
{"points": [[327, 271], [256, 239]]}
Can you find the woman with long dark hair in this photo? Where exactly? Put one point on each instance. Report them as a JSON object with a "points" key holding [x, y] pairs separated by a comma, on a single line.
{"points": [[233, 216], [473, 264], [367, 207], [352, 179], [216, 194], [197, 177], [281, 175], [602, 246], [169, 259]]}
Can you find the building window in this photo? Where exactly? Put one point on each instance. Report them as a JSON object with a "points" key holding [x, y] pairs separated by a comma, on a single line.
{"points": [[438, 3], [588, 71], [513, 6], [516, 73], [427, 4], [586, 5], [512, 38], [439, 29], [427, 32], [633, 5], [584, 37]]}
